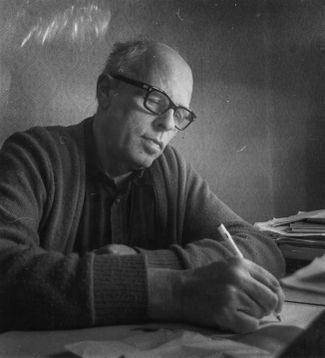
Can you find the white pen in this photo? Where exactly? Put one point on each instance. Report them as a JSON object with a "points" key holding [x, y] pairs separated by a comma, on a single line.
{"points": [[226, 235]]}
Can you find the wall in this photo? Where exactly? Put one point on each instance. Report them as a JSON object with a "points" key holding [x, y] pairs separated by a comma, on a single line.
{"points": [[259, 87], [297, 65]]}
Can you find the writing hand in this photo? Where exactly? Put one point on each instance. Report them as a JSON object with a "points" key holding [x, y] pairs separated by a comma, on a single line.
{"points": [[232, 295]]}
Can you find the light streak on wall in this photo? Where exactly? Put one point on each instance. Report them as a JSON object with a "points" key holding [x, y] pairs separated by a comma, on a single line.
{"points": [[47, 21]]}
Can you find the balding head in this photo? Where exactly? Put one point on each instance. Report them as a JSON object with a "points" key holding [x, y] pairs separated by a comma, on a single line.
{"points": [[163, 62], [133, 58]]}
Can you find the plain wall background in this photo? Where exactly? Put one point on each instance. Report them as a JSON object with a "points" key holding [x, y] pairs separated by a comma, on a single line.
{"points": [[259, 70]]}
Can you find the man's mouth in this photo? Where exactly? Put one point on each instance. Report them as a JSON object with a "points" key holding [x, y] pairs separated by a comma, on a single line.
{"points": [[154, 142]]}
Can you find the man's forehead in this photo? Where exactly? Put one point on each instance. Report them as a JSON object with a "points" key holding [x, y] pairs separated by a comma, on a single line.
{"points": [[164, 59], [166, 66]]}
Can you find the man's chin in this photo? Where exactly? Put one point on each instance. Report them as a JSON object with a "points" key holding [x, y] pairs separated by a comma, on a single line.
{"points": [[145, 163]]}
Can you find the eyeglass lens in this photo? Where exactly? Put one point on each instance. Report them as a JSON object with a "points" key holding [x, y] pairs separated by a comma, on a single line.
{"points": [[158, 103]]}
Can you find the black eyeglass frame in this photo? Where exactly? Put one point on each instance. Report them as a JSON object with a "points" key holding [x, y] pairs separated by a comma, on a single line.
{"points": [[149, 89]]}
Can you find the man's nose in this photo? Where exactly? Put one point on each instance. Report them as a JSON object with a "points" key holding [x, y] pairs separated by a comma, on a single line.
{"points": [[165, 121]]}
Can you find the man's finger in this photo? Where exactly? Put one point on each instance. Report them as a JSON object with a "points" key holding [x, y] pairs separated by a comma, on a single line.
{"points": [[263, 276], [267, 299], [268, 280], [249, 306]]}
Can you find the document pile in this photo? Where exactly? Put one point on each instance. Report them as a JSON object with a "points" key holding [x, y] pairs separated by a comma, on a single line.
{"points": [[302, 235]]}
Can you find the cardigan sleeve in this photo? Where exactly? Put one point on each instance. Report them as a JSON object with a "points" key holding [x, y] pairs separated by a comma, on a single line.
{"points": [[193, 213], [44, 285]]}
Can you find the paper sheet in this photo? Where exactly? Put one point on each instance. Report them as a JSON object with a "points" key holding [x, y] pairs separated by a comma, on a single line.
{"points": [[282, 226], [310, 278], [284, 231], [301, 215], [167, 344]]}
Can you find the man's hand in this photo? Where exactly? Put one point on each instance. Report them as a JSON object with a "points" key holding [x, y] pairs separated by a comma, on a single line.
{"points": [[232, 295], [116, 249]]}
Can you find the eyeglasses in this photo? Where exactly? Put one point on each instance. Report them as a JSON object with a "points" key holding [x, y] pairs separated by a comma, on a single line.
{"points": [[158, 102]]}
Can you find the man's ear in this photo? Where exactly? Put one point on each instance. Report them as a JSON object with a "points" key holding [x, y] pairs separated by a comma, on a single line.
{"points": [[105, 88]]}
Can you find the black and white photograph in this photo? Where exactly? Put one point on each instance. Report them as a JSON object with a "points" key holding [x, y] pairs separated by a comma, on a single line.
{"points": [[161, 178]]}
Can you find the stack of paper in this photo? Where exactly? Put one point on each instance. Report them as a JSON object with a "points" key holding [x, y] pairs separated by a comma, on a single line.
{"points": [[300, 236], [303, 224], [308, 225]]}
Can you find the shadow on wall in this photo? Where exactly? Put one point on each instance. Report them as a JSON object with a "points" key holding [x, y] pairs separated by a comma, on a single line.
{"points": [[298, 109], [315, 173], [315, 166]]}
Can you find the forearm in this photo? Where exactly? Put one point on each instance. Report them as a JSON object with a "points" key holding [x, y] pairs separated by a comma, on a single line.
{"points": [[120, 289], [47, 290], [254, 245], [43, 290]]}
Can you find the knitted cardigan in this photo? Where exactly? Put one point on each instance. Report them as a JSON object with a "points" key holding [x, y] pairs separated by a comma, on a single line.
{"points": [[45, 285]]}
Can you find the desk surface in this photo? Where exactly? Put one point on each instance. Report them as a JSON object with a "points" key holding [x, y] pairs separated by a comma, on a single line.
{"points": [[272, 336]]}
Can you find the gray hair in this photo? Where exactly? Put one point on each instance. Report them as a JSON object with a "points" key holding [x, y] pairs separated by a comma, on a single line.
{"points": [[128, 58]]}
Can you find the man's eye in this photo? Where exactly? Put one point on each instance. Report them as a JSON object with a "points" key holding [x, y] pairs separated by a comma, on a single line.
{"points": [[155, 99], [178, 115]]}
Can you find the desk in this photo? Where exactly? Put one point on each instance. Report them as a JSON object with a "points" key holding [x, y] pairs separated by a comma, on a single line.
{"points": [[272, 336]]}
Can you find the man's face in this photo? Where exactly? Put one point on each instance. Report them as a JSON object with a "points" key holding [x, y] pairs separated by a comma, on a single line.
{"points": [[131, 137]]}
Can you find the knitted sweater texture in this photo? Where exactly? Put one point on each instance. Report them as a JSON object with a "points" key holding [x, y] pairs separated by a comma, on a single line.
{"points": [[44, 284]]}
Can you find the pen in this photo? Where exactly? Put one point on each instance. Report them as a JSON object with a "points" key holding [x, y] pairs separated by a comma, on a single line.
{"points": [[226, 235]]}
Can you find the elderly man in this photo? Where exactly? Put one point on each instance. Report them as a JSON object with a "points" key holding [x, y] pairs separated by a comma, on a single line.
{"points": [[104, 223]]}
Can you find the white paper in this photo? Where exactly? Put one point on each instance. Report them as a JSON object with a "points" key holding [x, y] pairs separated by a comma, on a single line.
{"points": [[301, 215], [285, 231], [167, 344], [310, 278]]}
